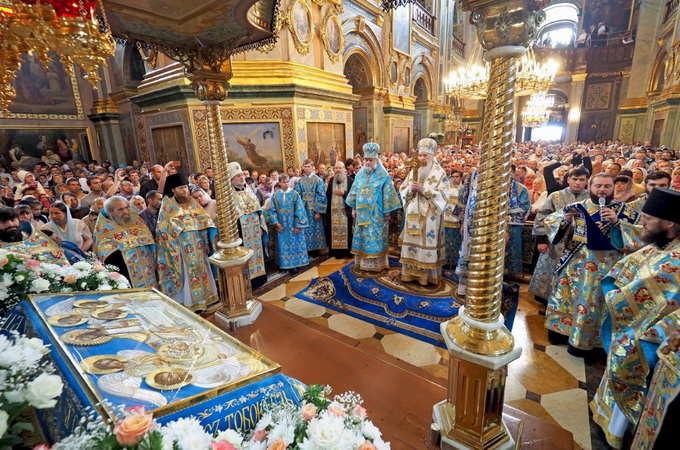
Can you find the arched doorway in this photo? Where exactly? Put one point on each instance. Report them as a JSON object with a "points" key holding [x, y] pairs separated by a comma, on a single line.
{"points": [[421, 92], [358, 73]]}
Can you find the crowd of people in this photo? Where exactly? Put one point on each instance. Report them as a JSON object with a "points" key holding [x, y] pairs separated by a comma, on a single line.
{"points": [[595, 209]]}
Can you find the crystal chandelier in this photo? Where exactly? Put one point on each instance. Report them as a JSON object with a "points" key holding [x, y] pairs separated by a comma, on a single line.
{"points": [[532, 76], [537, 111], [70, 28]]}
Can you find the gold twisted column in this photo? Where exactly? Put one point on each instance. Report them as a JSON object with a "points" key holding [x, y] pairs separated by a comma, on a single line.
{"points": [[237, 307], [480, 346]]}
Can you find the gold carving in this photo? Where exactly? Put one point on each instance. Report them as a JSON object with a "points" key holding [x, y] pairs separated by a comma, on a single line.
{"points": [[500, 23], [301, 25], [210, 85], [333, 39]]}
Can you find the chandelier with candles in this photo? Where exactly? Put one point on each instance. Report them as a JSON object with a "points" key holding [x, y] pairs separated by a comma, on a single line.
{"points": [[532, 76], [537, 111], [76, 30]]}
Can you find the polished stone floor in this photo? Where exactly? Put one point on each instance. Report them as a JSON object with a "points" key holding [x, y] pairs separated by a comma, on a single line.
{"points": [[545, 382]]}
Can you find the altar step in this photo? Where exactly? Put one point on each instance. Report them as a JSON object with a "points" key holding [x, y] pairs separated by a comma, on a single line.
{"points": [[399, 396]]}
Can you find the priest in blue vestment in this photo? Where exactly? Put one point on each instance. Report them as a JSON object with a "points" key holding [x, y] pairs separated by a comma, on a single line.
{"points": [[287, 214], [313, 193], [372, 199]]}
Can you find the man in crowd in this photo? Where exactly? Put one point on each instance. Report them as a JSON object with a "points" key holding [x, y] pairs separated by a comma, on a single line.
{"points": [[542, 279], [424, 194], [339, 221], [185, 235], [153, 183], [13, 239], [122, 239], [642, 297], [91, 219], [518, 207], [653, 180], [598, 233], [312, 190], [372, 199], [452, 236], [150, 214], [96, 191], [251, 224]]}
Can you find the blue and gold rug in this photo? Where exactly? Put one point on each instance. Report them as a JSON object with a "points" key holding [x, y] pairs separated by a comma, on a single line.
{"points": [[384, 300]]}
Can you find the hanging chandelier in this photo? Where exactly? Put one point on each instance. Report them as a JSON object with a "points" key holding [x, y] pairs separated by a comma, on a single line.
{"points": [[70, 28], [532, 76], [537, 111]]}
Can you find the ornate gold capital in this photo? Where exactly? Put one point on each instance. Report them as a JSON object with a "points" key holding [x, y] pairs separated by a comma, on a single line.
{"points": [[505, 22], [210, 85]]}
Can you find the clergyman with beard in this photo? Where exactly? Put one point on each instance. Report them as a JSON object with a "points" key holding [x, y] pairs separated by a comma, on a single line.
{"points": [[642, 296], [184, 241], [338, 214], [596, 237], [122, 239], [424, 193], [13, 239]]}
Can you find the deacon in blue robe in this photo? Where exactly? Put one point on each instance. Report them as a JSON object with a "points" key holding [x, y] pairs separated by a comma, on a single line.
{"points": [[287, 214], [313, 193], [518, 208]]}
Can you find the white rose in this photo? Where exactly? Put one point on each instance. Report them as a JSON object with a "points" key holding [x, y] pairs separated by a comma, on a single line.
{"points": [[101, 276], [36, 344], [105, 287], [83, 285], [40, 285], [231, 436], [3, 422], [326, 432], [20, 278], [43, 391], [81, 265]]}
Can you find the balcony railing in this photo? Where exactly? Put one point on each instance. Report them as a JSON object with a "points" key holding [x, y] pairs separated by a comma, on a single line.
{"points": [[596, 59], [458, 46], [423, 18], [671, 7]]}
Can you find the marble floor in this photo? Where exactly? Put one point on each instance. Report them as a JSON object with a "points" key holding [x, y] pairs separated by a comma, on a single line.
{"points": [[545, 382]]}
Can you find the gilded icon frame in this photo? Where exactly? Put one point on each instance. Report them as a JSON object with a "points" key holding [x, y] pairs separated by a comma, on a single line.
{"points": [[326, 37], [301, 45]]}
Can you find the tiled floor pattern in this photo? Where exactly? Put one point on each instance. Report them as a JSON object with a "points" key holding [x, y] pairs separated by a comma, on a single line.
{"points": [[545, 381]]}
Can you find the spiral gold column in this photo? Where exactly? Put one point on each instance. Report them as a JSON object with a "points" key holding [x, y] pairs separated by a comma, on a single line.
{"points": [[479, 344], [211, 88]]}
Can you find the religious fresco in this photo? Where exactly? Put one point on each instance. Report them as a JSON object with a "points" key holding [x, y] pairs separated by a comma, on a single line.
{"points": [[254, 145], [326, 142], [139, 347], [24, 148], [401, 29], [45, 92], [401, 139]]}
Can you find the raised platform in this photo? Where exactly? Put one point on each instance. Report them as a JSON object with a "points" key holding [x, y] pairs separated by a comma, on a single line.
{"points": [[398, 396]]}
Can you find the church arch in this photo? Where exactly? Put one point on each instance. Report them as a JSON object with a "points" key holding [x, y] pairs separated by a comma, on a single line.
{"points": [[420, 90], [360, 38], [423, 70]]}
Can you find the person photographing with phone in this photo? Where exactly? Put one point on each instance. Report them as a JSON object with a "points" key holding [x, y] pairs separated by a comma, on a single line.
{"points": [[597, 233]]}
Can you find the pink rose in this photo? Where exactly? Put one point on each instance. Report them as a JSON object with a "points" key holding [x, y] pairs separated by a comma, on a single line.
{"points": [[131, 430], [115, 275], [137, 409], [222, 445], [367, 445], [32, 264], [41, 447], [360, 411], [309, 411], [337, 412], [278, 445], [259, 435]]}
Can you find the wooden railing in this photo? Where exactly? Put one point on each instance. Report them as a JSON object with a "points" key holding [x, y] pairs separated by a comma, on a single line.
{"points": [[423, 18], [671, 7], [458, 46]]}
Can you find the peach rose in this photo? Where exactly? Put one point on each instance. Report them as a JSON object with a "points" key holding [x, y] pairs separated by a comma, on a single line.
{"points": [[337, 412], [278, 445], [360, 411], [97, 267], [131, 430], [70, 279], [222, 445], [367, 445], [309, 411], [3, 262], [259, 435], [137, 409]]}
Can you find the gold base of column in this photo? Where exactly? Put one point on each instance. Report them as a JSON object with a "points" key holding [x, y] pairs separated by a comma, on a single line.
{"points": [[230, 253], [492, 343]]}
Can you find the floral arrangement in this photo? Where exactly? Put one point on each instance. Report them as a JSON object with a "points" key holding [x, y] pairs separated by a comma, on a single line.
{"points": [[25, 380], [22, 274], [318, 424]]}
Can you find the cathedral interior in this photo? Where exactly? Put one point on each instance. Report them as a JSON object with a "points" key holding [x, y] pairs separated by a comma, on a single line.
{"points": [[289, 80]]}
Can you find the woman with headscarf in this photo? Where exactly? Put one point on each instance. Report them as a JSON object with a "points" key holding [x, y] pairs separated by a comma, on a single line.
{"points": [[623, 189], [205, 201], [67, 228], [537, 197], [137, 203], [27, 179]]}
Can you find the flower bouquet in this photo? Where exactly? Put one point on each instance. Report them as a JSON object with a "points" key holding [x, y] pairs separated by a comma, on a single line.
{"points": [[25, 380], [22, 274], [319, 424]]}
